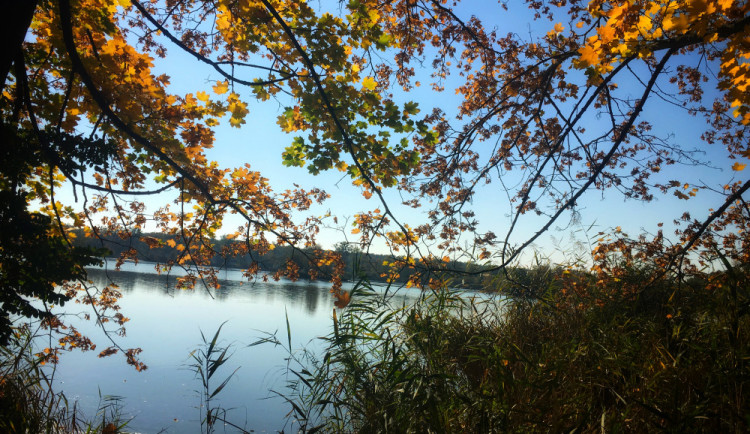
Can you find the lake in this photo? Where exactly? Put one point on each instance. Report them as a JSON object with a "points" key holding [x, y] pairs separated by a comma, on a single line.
{"points": [[167, 324]]}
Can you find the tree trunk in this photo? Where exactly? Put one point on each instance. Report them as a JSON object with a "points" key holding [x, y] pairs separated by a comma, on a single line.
{"points": [[17, 15]]}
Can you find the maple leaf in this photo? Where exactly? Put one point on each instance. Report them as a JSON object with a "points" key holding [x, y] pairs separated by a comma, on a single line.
{"points": [[606, 34], [221, 87], [589, 55], [369, 83]]}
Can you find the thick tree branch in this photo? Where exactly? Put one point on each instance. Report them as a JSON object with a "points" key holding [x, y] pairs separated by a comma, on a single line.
{"points": [[123, 192], [737, 195], [17, 16]]}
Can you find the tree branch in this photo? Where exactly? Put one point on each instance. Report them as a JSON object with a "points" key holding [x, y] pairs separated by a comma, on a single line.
{"points": [[204, 59], [623, 134]]}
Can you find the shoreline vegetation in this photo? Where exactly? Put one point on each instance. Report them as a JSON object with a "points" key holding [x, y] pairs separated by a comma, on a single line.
{"points": [[29, 403], [640, 353], [357, 264], [636, 353]]}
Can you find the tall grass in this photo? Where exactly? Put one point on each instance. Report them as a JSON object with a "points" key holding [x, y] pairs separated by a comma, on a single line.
{"points": [[586, 355], [27, 400], [29, 404], [207, 359]]}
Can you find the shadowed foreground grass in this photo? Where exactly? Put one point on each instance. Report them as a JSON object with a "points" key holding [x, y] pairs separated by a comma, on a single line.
{"points": [[28, 404]]}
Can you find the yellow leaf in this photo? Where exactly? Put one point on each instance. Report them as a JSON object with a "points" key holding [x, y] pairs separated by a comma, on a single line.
{"points": [[725, 4], [369, 83], [203, 96], [589, 55], [221, 87], [737, 167], [559, 28], [223, 21], [606, 34], [644, 24]]}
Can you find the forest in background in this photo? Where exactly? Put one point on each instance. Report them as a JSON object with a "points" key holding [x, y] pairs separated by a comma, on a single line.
{"points": [[376, 268]]}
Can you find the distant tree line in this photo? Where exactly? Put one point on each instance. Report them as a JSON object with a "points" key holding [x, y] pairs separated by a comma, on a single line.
{"points": [[153, 247]]}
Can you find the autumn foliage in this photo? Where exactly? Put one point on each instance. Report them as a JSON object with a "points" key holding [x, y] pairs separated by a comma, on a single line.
{"points": [[545, 121]]}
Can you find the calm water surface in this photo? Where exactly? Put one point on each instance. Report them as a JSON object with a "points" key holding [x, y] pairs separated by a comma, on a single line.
{"points": [[166, 323]]}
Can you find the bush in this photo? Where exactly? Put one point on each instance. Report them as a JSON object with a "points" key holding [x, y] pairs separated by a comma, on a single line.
{"points": [[638, 353]]}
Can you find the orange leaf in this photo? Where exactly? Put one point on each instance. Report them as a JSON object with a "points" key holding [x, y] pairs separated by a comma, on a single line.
{"points": [[589, 55], [342, 299], [221, 87]]}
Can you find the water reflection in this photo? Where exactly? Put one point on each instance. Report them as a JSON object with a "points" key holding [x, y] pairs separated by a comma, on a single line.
{"points": [[310, 295], [166, 323]]}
